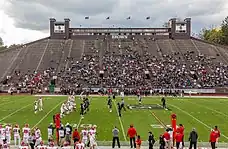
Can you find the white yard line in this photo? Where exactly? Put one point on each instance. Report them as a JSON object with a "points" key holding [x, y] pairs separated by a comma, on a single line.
{"points": [[121, 124], [46, 115], [15, 112], [195, 119], [208, 108], [14, 100], [4, 103], [80, 120]]}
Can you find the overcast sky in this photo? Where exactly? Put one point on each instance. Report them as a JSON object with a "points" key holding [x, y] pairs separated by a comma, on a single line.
{"points": [[27, 20]]}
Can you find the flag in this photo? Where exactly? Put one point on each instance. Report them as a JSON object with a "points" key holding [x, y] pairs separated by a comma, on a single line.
{"points": [[128, 18], [147, 18], [107, 18], [86, 18]]}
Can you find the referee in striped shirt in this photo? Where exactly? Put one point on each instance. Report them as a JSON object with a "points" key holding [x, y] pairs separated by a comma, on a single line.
{"points": [[115, 133]]}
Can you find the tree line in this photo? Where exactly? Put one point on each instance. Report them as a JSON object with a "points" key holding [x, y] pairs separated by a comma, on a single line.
{"points": [[4, 47], [216, 35]]}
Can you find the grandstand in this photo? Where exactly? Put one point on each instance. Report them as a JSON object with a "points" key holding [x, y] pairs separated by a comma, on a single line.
{"points": [[148, 58]]}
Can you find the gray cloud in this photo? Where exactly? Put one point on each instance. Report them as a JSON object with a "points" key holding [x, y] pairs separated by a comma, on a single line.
{"points": [[35, 14]]}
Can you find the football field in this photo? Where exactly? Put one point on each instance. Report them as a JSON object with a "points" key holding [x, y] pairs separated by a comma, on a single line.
{"points": [[200, 113]]}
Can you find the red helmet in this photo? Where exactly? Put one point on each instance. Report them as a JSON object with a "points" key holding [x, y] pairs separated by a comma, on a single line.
{"points": [[16, 125], [26, 125], [41, 143], [22, 143]]}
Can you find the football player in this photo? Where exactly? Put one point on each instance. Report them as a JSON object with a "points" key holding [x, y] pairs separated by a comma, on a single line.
{"points": [[84, 134], [26, 131], [40, 104], [2, 134], [35, 106], [8, 133], [17, 138]]}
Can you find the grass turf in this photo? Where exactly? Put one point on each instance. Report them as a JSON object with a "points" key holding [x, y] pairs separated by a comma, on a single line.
{"points": [[200, 113]]}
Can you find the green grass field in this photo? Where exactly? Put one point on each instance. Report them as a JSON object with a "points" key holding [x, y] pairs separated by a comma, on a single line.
{"points": [[201, 113]]}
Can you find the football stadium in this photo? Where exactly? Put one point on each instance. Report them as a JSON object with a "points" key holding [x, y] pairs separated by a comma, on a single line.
{"points": [[112, 81]]}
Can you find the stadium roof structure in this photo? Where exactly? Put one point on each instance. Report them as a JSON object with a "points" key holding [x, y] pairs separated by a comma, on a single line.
{"points": [[177, 29]]}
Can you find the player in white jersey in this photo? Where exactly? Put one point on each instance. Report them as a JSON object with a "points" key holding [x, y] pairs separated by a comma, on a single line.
{"points": [[79, 145], [2, 134], [92, 131], [40, 104], [66, 145], [69, 107], [5, 145], [35, 106], [41, 146], [122, 94], [50, 131], [84, 134], [23, 145], [16, 132], [26, 131], [171, 136], [63, 110], [92, 141], [38, 136], [8, 133], [72, 104]]}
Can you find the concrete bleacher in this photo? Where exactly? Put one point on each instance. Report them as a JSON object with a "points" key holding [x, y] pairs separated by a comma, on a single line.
{"points": [[59, 54], [33, 56], [51, 56]]}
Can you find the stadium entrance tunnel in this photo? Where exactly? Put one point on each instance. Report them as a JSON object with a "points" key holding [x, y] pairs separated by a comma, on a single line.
{"points": [[146, 107]]}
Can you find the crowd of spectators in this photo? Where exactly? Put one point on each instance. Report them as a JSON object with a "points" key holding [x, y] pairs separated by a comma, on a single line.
{"points": [[127, 64]]}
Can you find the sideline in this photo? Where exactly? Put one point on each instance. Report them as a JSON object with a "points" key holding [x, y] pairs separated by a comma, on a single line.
{"points": [[195, 119], [121, 124]]}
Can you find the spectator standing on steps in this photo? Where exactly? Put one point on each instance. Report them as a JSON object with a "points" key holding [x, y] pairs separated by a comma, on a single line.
{"points": [[115, 133], [193, 139], [131, 133]]}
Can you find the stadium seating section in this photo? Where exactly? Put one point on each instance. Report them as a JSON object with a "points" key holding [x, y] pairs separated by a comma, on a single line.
{"points": [[162, 63]]}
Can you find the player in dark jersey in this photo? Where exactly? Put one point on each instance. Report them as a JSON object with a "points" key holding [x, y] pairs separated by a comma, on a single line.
{"points": [[163, 103], [122, 105], [109, 104], [82, 109], [119, 109], [140, 99]]}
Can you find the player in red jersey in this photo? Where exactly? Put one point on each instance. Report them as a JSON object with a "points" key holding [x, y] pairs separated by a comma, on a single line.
{"points": [[57, 120], [181, 131], [131, 133], [167, 139], [138, 142], [179, 139], [217, 131], [213, 139]]}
